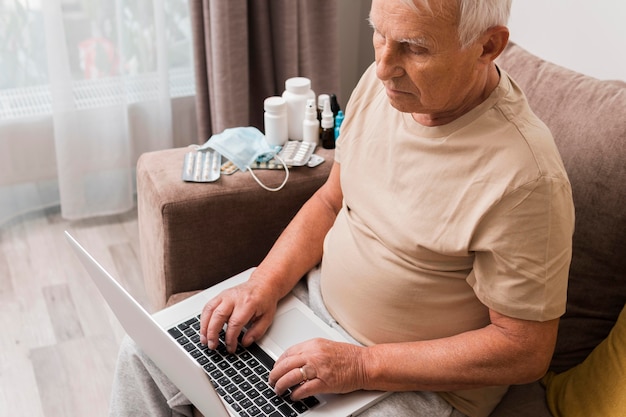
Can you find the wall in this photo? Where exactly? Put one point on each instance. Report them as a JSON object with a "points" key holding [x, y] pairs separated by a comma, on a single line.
{"points": [[586, 36], [355, 45]]}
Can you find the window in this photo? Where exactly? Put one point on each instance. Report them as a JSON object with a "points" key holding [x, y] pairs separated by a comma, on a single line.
{"points": [[111, 51], [86, 86]]}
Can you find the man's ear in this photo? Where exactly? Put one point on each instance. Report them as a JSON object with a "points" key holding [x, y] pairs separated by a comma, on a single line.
{"points": [[494, 40]]}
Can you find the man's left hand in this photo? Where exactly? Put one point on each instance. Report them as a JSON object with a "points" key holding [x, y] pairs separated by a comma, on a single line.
{"points": [[319, 366]]}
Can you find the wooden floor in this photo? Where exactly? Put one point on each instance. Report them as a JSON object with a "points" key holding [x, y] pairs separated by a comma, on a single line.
{"points": [[59, 339]]}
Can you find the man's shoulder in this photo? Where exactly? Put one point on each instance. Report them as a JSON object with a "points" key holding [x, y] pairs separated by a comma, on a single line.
{"points": [[514, 105], [528, 135]]}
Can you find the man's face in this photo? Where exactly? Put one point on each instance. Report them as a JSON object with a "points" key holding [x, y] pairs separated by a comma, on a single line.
{"points": [[420, 61]]}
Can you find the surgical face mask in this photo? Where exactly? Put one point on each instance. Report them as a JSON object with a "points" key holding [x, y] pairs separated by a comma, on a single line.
{"points": [[242, 146]]}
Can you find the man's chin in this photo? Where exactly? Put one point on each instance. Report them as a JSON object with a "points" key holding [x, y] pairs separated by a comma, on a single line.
{"points": [[402, 105]]}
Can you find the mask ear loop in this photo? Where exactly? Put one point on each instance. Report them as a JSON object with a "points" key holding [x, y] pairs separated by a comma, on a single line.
{"points": [[280, 187]]}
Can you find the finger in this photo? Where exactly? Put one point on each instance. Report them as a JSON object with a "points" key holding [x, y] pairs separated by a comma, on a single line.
{"points": [[219, 316], [257, 328], [282, 366], [307, 389], [285, 360], [236, 322], [205, 317], [293, 378]]}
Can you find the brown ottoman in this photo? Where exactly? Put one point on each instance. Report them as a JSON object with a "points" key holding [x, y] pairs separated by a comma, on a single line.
{"points": [[202, 233]]}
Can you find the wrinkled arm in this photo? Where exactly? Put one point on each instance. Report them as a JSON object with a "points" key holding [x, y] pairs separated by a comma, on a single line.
{"points": [[508, 351], [297, 250]]}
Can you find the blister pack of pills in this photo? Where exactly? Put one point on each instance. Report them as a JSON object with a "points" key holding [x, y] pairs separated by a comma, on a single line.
{"points": [[314, 161], [228, 168], [202, 166], [296, 153], [271, 164]]}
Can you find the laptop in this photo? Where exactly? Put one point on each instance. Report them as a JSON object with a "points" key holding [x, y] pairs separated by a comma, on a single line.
{"points": [[217, 383]]}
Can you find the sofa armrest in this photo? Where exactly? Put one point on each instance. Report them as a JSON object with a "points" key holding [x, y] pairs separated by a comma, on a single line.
{"points": [[193, 235]]}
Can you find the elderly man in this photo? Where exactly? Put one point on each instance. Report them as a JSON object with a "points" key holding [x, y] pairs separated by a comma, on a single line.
{"points": [[443, 232]]}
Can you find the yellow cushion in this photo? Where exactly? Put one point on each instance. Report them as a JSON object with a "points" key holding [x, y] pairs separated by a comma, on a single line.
{"points": [[597, 386]]}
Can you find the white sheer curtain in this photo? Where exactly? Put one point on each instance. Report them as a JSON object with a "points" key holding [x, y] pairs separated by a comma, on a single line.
{"points": [[86, 86]]}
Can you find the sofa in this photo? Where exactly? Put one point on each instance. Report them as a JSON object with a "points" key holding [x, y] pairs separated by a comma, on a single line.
{"points": [[194, 235]]}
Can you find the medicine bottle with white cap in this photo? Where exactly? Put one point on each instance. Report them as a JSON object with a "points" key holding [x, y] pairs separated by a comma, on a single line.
{"points": [[275, 121], [297, 92]]}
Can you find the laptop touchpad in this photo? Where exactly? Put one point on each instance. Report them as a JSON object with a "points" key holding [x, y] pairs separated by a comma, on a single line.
{"points": [[293, 327]]}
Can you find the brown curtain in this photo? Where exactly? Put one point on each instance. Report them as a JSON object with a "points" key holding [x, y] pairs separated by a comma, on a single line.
{"points": [[244, 51]]}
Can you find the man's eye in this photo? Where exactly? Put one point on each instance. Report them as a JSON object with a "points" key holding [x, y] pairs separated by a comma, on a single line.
{"points": [[416, 49]]}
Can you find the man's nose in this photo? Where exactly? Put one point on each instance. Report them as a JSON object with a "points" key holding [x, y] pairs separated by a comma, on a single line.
{"points": [[388, 61]]}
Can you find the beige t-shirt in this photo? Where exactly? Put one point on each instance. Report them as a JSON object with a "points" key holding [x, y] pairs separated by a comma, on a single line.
{"points": [[439, 224]]}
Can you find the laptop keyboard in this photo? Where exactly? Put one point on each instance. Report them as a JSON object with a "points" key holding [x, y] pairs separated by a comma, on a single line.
{"points": [[240, 378]]}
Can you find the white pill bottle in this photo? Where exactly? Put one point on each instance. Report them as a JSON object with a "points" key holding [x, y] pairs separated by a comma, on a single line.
{"points": [[275, 121], [297, 92]]}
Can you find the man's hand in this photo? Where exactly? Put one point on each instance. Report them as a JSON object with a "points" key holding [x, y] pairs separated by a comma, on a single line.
{"points": [[249, 303], [318, 366]]}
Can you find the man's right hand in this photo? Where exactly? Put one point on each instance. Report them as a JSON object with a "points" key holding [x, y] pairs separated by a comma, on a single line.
{"points": [[248, 304]]}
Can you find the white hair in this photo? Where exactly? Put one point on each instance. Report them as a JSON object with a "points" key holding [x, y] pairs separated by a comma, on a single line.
{"points": [[474, 16]]}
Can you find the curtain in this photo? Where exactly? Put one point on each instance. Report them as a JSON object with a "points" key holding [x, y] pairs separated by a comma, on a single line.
{"points": [[86, 86], [244, 50]]}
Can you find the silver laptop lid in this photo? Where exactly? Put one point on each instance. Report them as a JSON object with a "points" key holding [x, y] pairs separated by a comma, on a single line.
{"points": [[168, 355]]}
